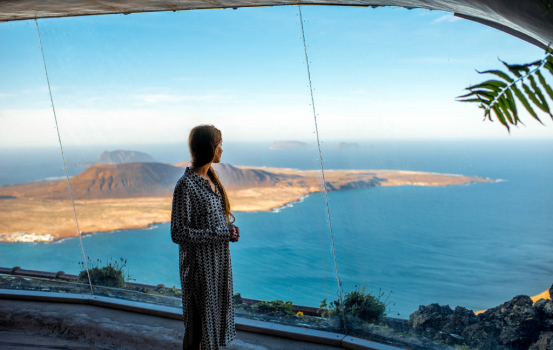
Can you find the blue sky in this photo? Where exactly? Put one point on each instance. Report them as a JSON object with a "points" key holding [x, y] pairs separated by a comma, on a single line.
{"points": [[385, 73]]}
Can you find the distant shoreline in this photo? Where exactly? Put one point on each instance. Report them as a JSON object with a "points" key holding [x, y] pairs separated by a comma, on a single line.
{"points": [[50, 219]]}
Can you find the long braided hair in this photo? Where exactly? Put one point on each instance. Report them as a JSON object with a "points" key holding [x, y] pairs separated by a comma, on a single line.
{"points": [[202, 142]]}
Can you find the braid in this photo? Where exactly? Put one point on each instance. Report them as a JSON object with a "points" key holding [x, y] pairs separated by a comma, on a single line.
{"points": [[226, 203]]}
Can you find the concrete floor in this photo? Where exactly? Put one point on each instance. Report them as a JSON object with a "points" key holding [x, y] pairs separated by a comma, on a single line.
{"points": [[25, 341], [46, 325]]}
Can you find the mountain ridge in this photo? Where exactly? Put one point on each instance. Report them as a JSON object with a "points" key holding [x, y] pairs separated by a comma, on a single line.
{"points": [[128, 180]]}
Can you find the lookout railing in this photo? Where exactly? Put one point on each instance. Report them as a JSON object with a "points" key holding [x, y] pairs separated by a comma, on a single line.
{"points": [[61, 275]]}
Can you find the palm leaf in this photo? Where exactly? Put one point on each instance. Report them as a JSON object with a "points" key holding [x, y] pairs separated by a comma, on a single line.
{"points": [[525, 102], [494, 85], [500, 116], [544, 84], [501, 95], [549, 67], [516, 69], [499, 74], [505, 109], [531, 94], [543, 105], [512, 105]]}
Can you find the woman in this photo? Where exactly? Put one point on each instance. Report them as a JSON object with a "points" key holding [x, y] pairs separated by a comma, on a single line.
{"points": [[201, 223]]}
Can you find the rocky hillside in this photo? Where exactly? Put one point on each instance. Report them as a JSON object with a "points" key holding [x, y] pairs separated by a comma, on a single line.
{"points": [[120, 157], [105, 181], [236, 178], [132, 180], [136, 180]]}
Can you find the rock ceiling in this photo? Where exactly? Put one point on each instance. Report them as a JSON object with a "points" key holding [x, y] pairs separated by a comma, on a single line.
{"points": [[525, 19]]}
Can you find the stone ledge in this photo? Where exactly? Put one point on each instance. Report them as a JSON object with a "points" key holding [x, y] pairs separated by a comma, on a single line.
{"points": [[102, 332], [291, 332], [106, 328], [354, 343]]}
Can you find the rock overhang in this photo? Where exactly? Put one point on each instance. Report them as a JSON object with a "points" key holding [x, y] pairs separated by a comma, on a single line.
{"points": [[528, 20]]}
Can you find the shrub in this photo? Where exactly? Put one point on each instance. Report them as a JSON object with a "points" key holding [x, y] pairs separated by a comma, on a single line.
{"points": [[323, 309], [361, 305], [111, 275], [276, 307], [237, 298]]}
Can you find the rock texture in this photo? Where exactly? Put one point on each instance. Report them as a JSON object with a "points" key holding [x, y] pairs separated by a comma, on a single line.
{"points": [[96, 328], [441, 323], [103, 181], [517, 324], [522, 18], [119, 157], [545, 342], [102, 332], [238, 178]]}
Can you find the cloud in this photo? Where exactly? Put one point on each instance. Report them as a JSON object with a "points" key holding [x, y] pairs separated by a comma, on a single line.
{"points": [[26, 127], [446, 18], [150, 99]]}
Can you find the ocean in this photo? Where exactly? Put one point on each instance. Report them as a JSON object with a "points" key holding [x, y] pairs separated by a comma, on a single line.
{"points": [[475, 245]]}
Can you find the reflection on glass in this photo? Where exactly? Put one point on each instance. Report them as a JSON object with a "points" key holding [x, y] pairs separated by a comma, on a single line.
{"points": [[36, 214], [43, 285], [422, 212], [124, 130]]}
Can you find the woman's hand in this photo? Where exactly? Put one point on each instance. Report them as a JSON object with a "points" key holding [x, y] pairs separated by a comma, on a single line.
{"points": [[234, 233]]}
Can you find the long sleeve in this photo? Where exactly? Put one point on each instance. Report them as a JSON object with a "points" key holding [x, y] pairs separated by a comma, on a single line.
{"points": [[181, 230]]}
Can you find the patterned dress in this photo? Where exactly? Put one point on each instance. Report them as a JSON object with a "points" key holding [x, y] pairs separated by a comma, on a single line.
{"points": [[199, 227]]}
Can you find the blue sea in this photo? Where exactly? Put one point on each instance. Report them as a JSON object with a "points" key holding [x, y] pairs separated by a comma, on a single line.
{"points": [[475, 245]]}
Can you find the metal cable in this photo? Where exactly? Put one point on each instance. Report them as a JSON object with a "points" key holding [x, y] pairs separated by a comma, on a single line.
{"points": [[63, 157], [322, 171]]}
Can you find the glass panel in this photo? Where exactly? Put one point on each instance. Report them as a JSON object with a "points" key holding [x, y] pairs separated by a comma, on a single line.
{"points": [[36, 215], [38, 284], [129, 90], [392, 135]]}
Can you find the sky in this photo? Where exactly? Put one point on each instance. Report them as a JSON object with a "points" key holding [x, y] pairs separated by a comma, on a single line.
{"points": [[377, 74]]}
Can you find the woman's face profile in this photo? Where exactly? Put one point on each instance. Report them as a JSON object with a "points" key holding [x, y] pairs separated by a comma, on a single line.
{"points": [[218, 152]]}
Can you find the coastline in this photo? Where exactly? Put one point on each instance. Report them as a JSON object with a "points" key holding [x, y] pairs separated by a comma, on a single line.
{"points": [[52, 219]]}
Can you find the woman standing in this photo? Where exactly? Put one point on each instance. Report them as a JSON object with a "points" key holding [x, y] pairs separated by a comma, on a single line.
{"points": [[201, 224]]}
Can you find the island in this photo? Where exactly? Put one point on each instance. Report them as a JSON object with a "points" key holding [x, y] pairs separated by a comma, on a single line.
{"points": [[134, 195]]}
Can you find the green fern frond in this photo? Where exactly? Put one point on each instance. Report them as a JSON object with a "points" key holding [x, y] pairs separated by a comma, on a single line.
{"points": [[499, 95]]}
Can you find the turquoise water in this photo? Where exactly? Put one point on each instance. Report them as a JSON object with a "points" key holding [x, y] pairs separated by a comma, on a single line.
{"points": [[475, 245]]}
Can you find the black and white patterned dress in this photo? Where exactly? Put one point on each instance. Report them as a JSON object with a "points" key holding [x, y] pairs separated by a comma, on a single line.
{"points": [[199, 227]]}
